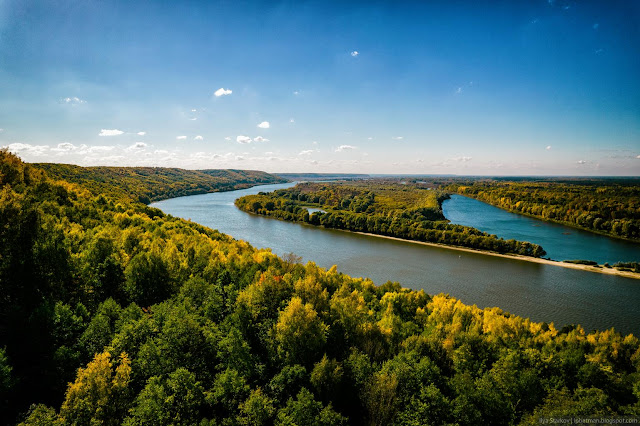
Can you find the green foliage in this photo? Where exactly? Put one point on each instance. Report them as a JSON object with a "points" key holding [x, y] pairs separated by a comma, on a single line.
{"points": [[176, 400], [391, 208], [217, 332], [305, 410]]}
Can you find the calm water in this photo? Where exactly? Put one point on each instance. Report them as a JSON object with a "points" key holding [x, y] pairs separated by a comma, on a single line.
{"points": [[560, 242], [540, 292]]}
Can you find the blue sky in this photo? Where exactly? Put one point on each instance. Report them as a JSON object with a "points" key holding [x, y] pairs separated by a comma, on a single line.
{"points": [[504, 88]]}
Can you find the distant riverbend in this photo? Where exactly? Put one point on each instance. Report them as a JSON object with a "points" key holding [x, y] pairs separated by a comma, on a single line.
{"points": [[560, 242], [542, 292]]}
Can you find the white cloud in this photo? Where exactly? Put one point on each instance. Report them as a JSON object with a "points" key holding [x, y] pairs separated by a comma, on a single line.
{"points": [[397, 138], [342, 148], [307, 152], [582, 162], [369, 138], [227, 138], [222, 92], [137, 146], [296, 92], [243, 139], [463, 159], [260, 139], [25, 148], [291, 120], [101, 148], [355, 53], [198, 138], [1, 130], [637, 156], [193, 119], [110, 132], [459, 90], [264, 125], [73, 100], [314, 143], [65, 146], [548, 148], [181, 138], [193, 110], [141, 133]]}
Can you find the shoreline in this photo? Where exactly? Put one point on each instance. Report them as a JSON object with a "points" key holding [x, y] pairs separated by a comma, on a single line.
{"points": [[588, 268]]}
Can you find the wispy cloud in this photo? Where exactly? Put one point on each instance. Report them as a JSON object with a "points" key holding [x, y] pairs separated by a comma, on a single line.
{"points": [[397, 138], [222, 92], [548, 148], [462, 159], [637, 156], [342, 148], [458, 90], [582, 162], [243, 139], [141, 133], [355, 53], [260, 139], [308, 152], [291, 120], [110, 132], [65, 146], [73, 101], [227, 138], [181, 138], [198, 138], [296, 92], [264, 125]]}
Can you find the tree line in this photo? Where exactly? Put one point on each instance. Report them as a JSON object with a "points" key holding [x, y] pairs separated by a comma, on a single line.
{"points": [[149, 184], [603, 206], [113, 313]]}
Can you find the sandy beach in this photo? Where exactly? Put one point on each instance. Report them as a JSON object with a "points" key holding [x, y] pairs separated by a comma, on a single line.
{"points": [[597, 269]]}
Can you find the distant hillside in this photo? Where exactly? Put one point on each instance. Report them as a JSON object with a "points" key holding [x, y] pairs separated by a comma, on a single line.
{"points": [[321, 176], [148, 184]]}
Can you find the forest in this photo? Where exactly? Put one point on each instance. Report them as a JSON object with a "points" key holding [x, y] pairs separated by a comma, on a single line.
{"points": [[149, 184], [112, 312], [606, 206], [387, 207]]}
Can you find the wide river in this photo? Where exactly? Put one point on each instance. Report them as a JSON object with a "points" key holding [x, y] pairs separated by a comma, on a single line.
{"points": [[541, 292]]}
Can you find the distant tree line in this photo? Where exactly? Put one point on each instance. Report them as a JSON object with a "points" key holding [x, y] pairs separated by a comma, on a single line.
{"points": [[149, 184], [603, 206]]}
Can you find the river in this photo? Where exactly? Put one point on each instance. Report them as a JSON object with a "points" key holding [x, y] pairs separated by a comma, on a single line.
{"points": [[560, 242], [541, 292]]}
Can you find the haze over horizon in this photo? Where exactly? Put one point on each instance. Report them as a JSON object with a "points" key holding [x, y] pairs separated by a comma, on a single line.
{"points": [[549, 87]]}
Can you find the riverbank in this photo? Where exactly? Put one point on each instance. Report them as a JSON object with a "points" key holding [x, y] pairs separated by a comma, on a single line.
{"points": [[598, 269]]}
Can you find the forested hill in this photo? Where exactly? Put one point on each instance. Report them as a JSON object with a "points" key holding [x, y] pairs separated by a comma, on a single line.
{"points": [[113, 313], [148, 184]]}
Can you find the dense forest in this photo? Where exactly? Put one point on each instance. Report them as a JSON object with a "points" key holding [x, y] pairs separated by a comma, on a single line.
{"points": [[148, 184], [113, 313], [386, 207], [606, 206]]}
